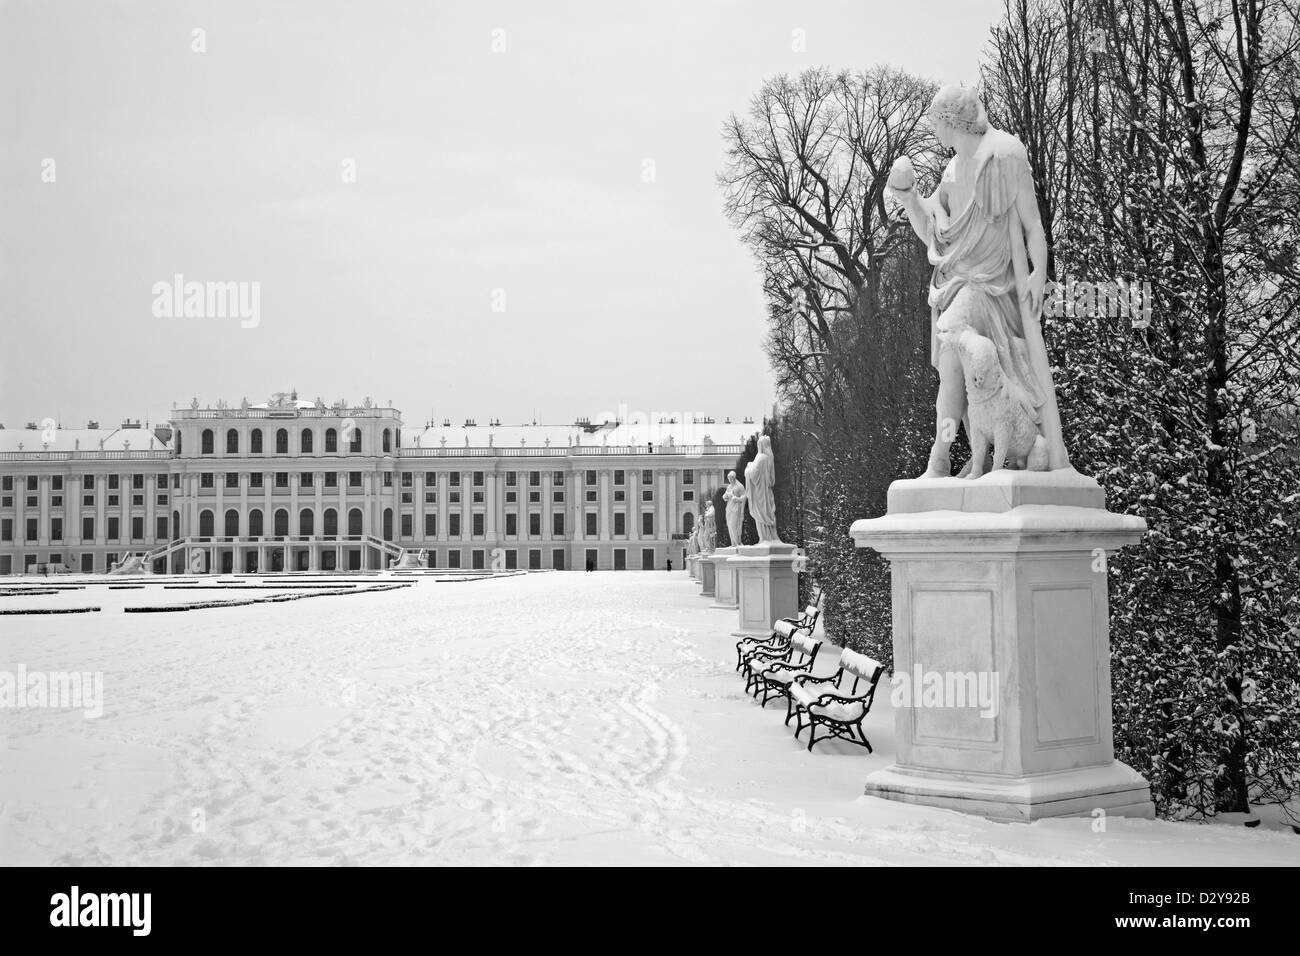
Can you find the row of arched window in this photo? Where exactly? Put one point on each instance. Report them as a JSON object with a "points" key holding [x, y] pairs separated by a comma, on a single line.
{"points": [[280, 522], [306, 444]]}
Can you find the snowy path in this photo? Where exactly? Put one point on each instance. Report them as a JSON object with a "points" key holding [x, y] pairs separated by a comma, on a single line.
{"points": [[548, 718]]}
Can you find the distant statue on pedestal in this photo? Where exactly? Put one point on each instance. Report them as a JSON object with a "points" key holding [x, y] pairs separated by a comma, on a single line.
{"points": [[734, 496], [760, 482]]}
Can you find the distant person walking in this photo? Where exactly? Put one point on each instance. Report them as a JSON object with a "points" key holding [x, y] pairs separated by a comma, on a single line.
{"points": [[670, 565]]}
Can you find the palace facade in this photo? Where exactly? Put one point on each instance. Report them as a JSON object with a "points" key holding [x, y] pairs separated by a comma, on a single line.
{"points": [[292, 485]]}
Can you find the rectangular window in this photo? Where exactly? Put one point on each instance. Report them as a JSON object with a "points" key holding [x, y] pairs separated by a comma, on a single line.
{"points": [[647, 477], [176, 481], [535, 560], [306, 478], [282, 479], [113, 529], [512, 524], [619, 496], [591, 524], [431, 526], [205, 480], [31, 529], [32, 501], [137, 500], [557, 559], [591, 496], [88, 501], [478, 479], [557, 524], [476, 559], [7, 483], [620, 559], [453, 559], [453, 497], [534, 525], [354, 479], [591, 476], [232, 479], [647, 559], [160, 529], [112, 482], [478, 497], [511, 479], [618, 476], [137, 482], [331, 479], [406, 525], [557, 478], [512, 559], [477, 524], [88, 529], [454, 478], [255, 479], [534, 497], [31, 482], [430, 479], [56, 482], [6, 529], [534, 479], [648, 524], [161, 499], [57, 500], [620, 523], [647, 495], [688, 496], [688, 477], [137, 529], [591, 559], [56, 529], [511, 497], [557, 497], [453, 525], [388, 479], [406, 479], [431, 497]]}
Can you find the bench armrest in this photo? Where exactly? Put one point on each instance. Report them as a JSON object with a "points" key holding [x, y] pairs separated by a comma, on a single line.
{"points": [[809, 679]]}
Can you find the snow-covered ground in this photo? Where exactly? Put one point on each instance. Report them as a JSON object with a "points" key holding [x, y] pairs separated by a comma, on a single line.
{"points": [[557, 718]]}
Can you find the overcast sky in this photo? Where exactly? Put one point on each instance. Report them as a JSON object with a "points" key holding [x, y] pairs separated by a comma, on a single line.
{"points": [[514, 178]]}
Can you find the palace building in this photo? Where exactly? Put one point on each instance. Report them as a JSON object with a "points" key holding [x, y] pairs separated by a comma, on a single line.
{"points": [[292, 485]]}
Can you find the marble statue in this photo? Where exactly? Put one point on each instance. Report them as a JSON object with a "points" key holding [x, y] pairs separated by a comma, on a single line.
{"points": [[734, 496], [982, 230], [708, 536], [760, 481]]}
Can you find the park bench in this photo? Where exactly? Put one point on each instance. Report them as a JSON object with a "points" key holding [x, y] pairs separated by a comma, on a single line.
{"points": [[772, 672], [782, 631], [838, 702]]}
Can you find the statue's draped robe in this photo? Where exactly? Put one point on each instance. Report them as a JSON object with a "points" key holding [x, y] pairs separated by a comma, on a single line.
{"points": [[973, 269], [760, 482]]}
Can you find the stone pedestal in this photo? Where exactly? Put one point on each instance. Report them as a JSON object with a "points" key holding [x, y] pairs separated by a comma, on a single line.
{"points": [[692, 566], [706, 573], [999, 584], [724, 585], [767, 586]]}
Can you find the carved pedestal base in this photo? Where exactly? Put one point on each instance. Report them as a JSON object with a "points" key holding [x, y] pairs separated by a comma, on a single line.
{"points": [[705, 567], [1002, 646], [724, 586], [767, 585]]}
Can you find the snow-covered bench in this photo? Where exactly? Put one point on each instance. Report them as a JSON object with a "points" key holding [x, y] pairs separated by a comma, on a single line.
{"points": [[772, 672], [782, 631], [838, 702]]}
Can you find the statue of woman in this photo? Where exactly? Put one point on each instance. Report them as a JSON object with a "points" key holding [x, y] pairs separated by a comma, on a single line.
{"points": [[760, 480], [707, 535], [734, 496], [976, 226]]}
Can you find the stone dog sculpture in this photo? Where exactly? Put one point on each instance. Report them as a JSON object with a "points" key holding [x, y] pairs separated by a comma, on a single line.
{"points": [[998, 409]]}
